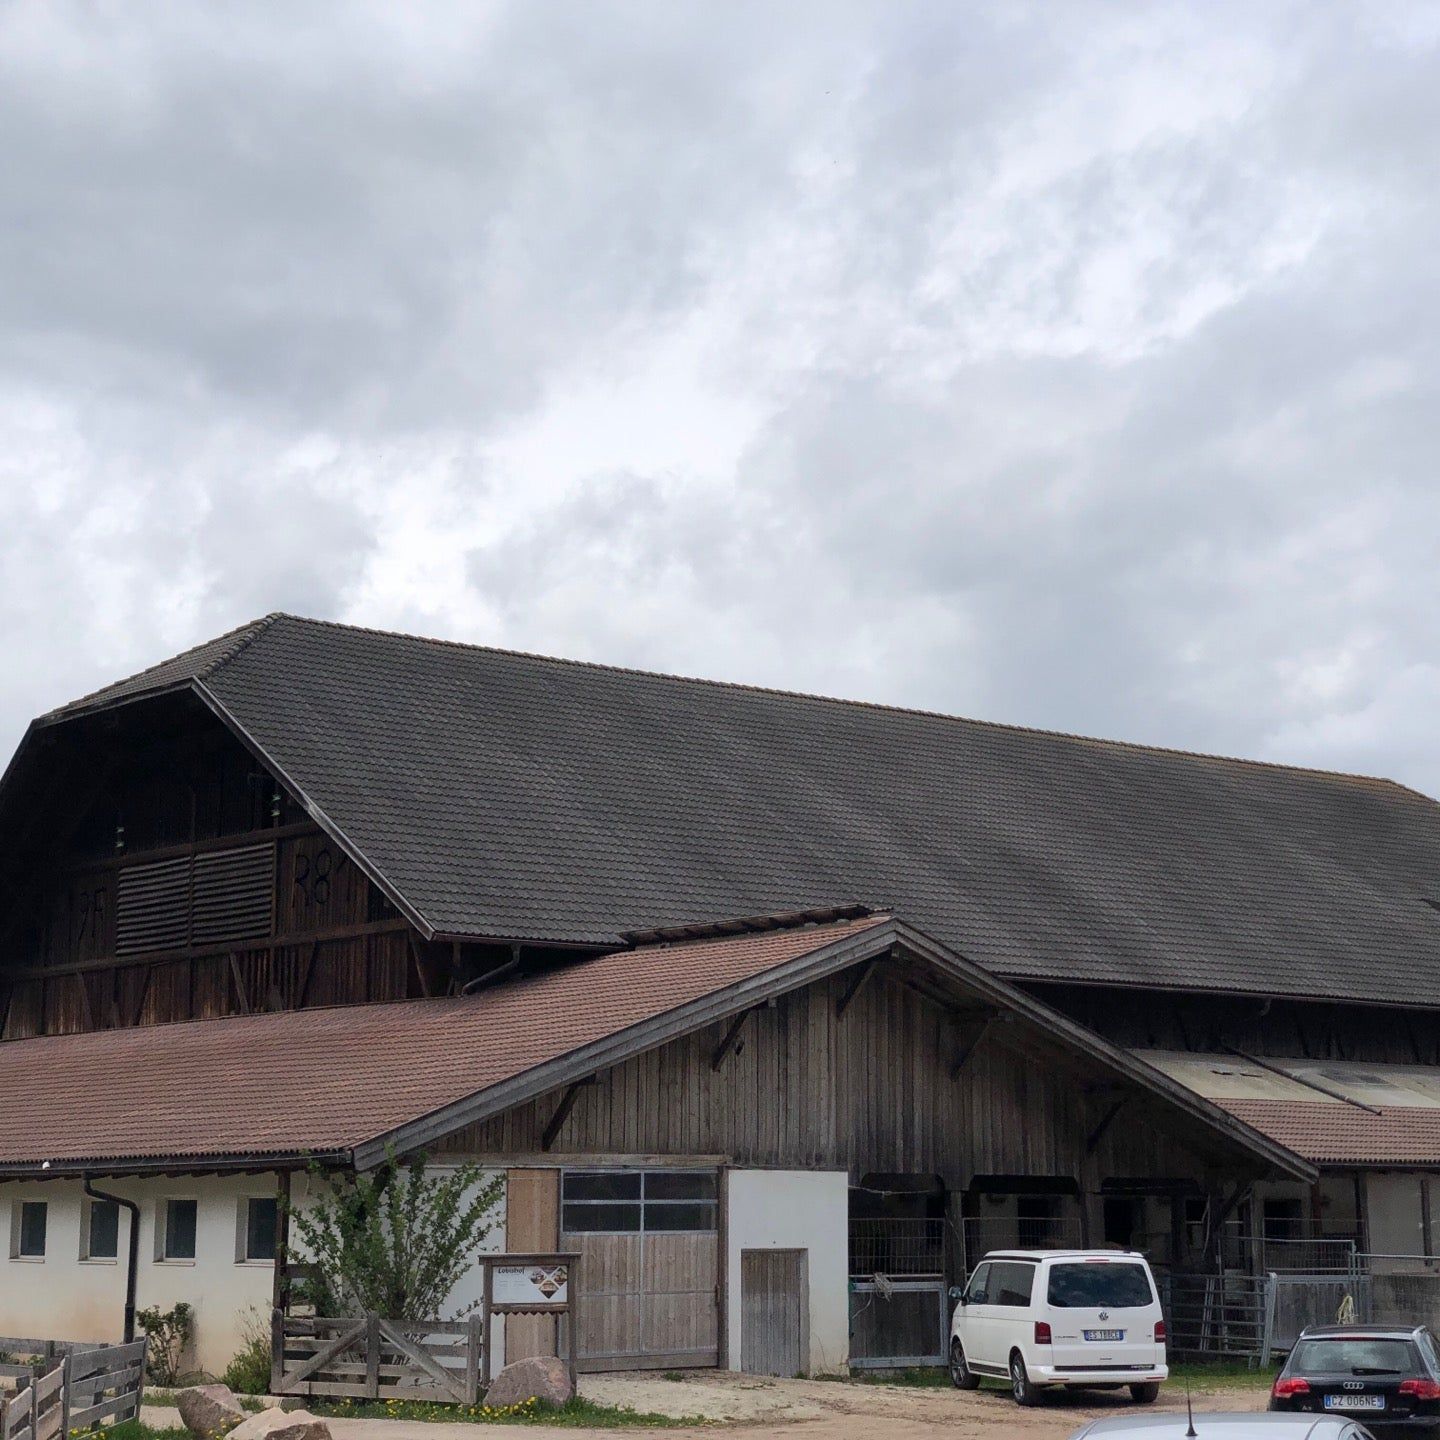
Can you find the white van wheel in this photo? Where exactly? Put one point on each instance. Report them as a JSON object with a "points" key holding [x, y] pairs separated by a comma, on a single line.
{"points": [[1020, 1387], [962, 1377]]}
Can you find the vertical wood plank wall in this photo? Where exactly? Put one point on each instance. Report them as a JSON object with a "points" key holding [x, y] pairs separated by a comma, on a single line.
{"points": [[532, 1223], [867, 1091]]}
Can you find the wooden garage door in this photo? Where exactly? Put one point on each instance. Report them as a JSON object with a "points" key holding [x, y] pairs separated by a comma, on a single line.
{"points": [[649, 1268], [774, 1304]]}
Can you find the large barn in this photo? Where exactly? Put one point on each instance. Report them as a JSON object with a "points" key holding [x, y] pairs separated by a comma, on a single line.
{"points": [[777, 1009]]}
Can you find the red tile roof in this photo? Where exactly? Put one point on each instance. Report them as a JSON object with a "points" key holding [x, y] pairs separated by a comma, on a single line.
{"points": [[329, 1079], [1333, 1133]]}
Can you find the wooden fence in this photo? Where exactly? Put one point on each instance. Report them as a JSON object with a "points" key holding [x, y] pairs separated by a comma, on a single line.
{"points": [[377, 1359], [92, 1384]]}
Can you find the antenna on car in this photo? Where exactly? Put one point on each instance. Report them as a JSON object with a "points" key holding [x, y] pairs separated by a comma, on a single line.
{"points": [[1190, 1432]]}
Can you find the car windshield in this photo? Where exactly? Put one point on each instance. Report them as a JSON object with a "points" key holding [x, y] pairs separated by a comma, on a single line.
{"points": [[1091, 1285], [1353, 1355]]}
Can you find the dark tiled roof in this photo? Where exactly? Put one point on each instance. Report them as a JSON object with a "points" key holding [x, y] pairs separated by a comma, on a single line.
{"points": [[508, 795], [329, 1079], [192, 664], [1333, 1133]]}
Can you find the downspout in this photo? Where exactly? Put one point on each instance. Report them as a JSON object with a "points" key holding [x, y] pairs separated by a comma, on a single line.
{"points": [[133, 1261]]}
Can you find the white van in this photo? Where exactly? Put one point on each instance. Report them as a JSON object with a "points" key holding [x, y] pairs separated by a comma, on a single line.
{"points": [[1060, 1317]]}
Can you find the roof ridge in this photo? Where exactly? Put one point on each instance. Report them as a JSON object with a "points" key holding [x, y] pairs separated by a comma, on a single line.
{"points": [[246, 635], [242, 634], [918, 712]]}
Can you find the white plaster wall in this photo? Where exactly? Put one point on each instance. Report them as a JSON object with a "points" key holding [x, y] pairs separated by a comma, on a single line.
{"points": [[1396, 1216], [66, 1298], [795, 1210]]}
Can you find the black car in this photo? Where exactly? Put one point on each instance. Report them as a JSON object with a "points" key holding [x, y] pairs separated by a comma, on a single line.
{"points": [[1386, 1376]]}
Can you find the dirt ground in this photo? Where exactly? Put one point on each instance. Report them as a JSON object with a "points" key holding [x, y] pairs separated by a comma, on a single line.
{"points": [[828, 1410], [763, 1409]]}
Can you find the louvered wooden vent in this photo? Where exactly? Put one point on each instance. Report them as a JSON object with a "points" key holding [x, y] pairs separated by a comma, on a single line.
{"points": [[201, 900]]}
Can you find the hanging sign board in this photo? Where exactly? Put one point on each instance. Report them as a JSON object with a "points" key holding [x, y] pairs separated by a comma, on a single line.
{"points": [[535, 1285]]}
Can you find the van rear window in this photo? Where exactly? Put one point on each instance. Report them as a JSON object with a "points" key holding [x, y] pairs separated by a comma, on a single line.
{"points": [[1099, 1285]]}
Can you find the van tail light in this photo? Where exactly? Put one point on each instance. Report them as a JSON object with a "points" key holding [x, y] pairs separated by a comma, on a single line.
{"points": [[1159, 1332], [1421, 1389], [1285, 1388], [1042, 1333]]}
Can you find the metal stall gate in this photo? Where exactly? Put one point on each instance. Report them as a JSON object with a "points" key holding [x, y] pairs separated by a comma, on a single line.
{"points": [[899, 1312]]}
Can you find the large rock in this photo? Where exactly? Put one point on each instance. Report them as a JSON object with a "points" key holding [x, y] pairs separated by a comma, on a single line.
{"points": [[545, 1378], [277, 1424], [209, 1410]]}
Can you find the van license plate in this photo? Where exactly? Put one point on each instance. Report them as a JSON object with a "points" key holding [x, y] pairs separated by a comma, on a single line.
{"points": [[1105, 1336], [1354, 1402]]}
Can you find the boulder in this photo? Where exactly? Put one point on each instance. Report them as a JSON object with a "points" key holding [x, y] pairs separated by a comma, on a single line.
{"points": [[276, 1424], [544, 1377], [209, 1410]]}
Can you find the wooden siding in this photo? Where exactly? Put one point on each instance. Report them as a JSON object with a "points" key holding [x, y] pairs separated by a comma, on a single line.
{"points": [[869, 1091]]}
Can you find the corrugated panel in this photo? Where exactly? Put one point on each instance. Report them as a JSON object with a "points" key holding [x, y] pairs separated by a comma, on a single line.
{"points": [[234, 894], [152, 906], [204, 900]]}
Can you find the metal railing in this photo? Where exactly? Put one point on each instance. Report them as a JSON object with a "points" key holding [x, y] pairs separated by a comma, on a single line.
{"points": [[897, 1247], [1220, 1317]]}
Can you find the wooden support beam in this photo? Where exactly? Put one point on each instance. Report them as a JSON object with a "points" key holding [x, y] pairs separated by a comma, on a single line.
{"points": [[857, 984], [727, 1046], [307, 976], [967, 1051], [87, 1009], [562, 1111], [140, 999], [1093, 1139], [413, 945], [241, 994], [10, 990]]}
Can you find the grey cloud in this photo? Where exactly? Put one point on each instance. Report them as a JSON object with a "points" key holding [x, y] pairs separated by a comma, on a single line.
{"points": [[1090, 350]]}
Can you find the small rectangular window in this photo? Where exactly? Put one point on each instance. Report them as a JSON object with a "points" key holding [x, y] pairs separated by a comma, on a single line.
{"points": [[261, 1227], [102, 1231], [602, 1219], [178, 1242], [28, 1229], [680, 1217], [627, 1202], [602, 1185]]}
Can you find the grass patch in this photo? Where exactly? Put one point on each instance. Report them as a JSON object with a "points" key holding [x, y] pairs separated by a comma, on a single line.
{"points": [[134, 1430], [579, 1413], [161, 1395], [1223, 1377]]}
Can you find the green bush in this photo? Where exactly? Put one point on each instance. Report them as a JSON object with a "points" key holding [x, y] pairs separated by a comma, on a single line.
{"points": [[168, 1334], [248, 1372]]}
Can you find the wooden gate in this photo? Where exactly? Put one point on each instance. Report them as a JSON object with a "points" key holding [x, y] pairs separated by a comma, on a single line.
{"points": [[649, 1301], [774, 1312], [91, 1384], [650, 1266]]}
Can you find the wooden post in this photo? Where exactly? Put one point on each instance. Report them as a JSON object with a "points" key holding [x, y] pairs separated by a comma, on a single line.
{"points": [[143, 1346], [372, 1355], [474, 1339], [277, 1349], [65, 1397], [488, 1318]]}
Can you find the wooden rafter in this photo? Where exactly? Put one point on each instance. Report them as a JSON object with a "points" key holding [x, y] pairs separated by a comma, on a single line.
{"points": [[562, 1111], [856, 985], [967, 1050], [727, 1046]]}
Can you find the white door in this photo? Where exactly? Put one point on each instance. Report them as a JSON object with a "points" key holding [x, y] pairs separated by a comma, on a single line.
{"points": [[972, 1322]]}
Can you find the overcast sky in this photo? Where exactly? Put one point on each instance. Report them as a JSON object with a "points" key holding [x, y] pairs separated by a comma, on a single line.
{"points": [[1072, 365]]}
